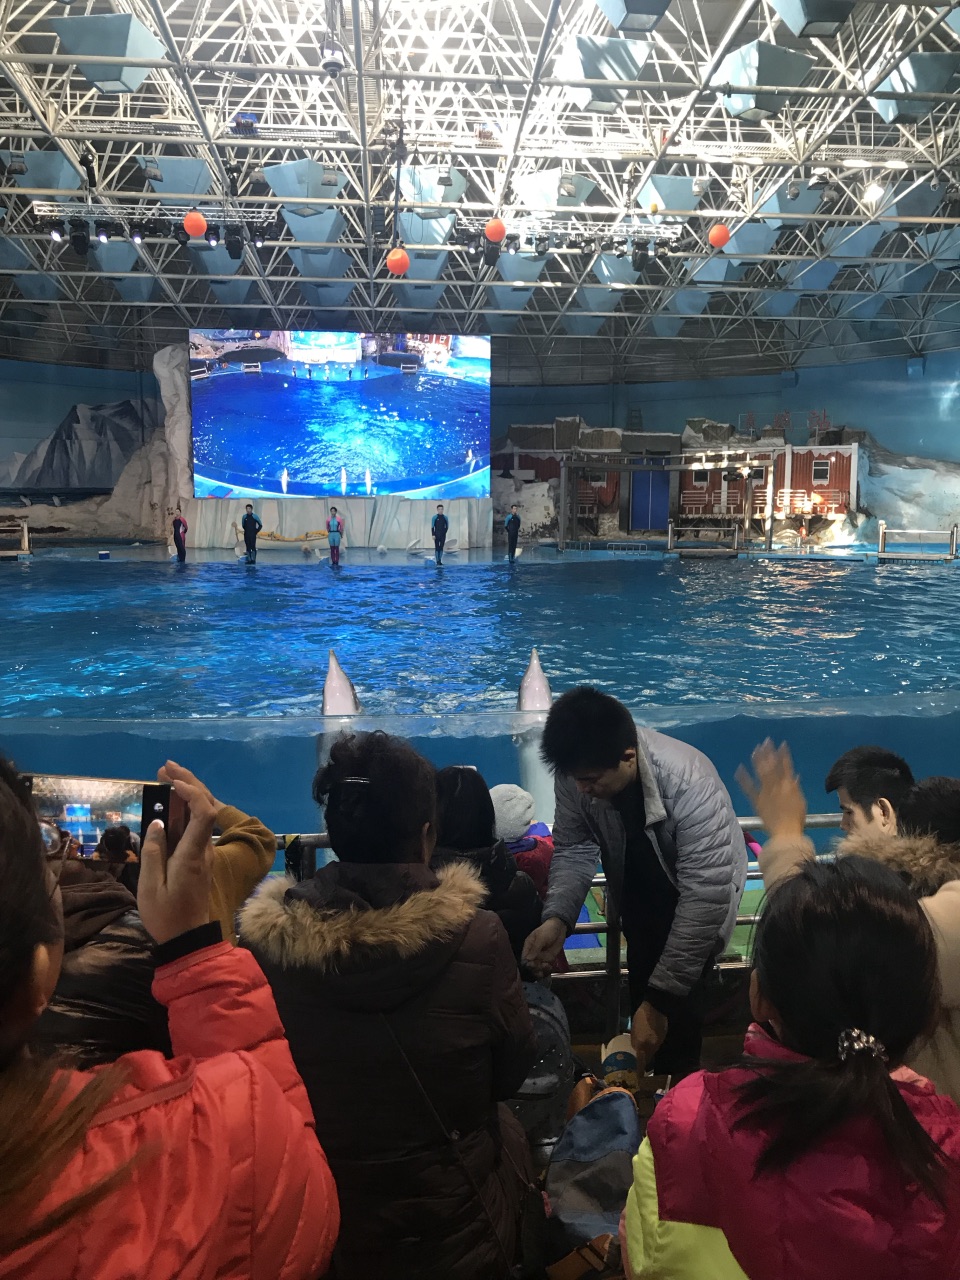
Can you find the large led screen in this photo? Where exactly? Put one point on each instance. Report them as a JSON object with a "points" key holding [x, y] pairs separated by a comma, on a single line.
{"points": [[310, 414]]}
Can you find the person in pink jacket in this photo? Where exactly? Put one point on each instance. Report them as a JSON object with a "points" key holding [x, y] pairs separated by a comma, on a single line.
{"points": [[203, 1166], [820, 1157]]}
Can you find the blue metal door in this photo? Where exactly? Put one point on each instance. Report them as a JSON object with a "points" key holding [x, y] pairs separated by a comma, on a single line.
{"points": [[649, 499]]}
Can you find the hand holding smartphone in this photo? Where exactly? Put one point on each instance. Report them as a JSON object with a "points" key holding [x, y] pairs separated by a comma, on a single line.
{"points": [[160, 801]]}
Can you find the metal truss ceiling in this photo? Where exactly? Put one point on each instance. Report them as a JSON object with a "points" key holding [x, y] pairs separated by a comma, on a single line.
{"points": [[543, 130]]}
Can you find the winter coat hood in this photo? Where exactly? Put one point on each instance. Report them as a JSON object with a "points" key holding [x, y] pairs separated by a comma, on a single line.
{"points": [[922, 860], [377, 932]]}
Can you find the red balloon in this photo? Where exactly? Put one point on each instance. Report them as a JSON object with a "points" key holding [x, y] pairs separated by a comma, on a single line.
{"points": [[495, 231], [719, 235], [398, 262], [195, 224]]}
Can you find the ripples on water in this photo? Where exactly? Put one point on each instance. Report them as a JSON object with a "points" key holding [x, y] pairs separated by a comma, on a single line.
{"points": [[141, 640]]}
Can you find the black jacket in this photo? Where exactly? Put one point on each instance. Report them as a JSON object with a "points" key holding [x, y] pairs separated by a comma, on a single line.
{"points": [[369, 963], [102, 1006], [512, 895]]}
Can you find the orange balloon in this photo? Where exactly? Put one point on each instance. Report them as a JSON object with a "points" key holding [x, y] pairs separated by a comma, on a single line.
{"points": [[719, 235], [398, 262], [195, 224], [495, 231]]}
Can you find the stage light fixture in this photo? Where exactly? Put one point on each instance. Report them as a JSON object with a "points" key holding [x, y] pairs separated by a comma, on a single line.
{"points": [[181, 236], [653, 250], [244, 124], [233, 241], [88, 162], [16, 167], [136, 232], [491, 252], [639, 257], [103, 232], [935, 182], [541, 246], [793, 191], [473, 246], [256, 238], [567, 187], [151, 171], [57, 230], [873, 192], [513, 244], [79, 237], [699, 186], [213, 236]]}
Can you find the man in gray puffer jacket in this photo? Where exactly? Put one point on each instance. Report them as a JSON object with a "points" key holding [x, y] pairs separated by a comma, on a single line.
{"points": [[656, 813]]}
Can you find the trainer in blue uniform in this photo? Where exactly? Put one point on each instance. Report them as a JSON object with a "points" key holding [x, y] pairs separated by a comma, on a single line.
{"points": [[252, 525], [512, 525], [438, 527]]}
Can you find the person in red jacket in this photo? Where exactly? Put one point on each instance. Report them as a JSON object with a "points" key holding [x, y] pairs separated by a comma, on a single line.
{"points": [[821, 1157], [203, 1166]]}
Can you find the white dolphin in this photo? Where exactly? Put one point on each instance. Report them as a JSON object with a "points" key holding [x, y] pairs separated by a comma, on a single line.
{"points": [[339, 695], [284, 478], [369, 482], [343, 481], [535, 692]]}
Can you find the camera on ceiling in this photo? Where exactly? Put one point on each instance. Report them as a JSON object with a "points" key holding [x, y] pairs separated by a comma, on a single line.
{"points": [[332, 57]]}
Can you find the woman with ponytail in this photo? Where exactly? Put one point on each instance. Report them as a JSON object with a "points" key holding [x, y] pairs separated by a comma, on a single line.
{"points": [[820, 1157], [198, 1166]]}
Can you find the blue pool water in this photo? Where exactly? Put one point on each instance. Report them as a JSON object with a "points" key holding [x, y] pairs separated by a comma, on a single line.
{"points": [[409, 431], [108, 668], [132, 640]]}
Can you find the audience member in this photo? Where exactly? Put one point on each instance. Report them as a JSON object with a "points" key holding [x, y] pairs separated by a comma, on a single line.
{"points": [[406, 1018], [466, 824], [102, 1006], [656, 813], [530, 842], [932, 807], [930, 869], [205, 1165], [820, 1157], [242, 856], [114, 848], [871, 784]]}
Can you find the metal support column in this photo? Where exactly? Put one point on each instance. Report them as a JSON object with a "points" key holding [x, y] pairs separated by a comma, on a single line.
{"points": [[562, 513], [671, 535], [768, 510], [953, 542], [882, 538]]}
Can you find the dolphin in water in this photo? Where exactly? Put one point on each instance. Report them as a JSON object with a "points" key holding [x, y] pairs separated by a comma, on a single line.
{"points": [[533, 703], [535, 692], [284, 478], [343, 481], [339, 695], [369, 482]]}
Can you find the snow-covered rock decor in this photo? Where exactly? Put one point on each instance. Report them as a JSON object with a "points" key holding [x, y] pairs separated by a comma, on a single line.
{"points": [[905, 491]]}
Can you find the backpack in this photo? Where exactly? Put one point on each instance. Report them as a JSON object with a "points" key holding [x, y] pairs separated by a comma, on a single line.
{"points": [[541, 1101], [588, 1180]]}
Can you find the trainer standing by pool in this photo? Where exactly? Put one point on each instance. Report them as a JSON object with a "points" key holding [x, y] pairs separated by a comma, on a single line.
{"points": [[438, 527], [512, 524], [334, 533], [252, 524], [655, 812], [180, 527]]}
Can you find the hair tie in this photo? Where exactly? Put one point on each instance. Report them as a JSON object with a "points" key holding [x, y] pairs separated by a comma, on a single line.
{"points": [[360, 781], [854, 1041]]}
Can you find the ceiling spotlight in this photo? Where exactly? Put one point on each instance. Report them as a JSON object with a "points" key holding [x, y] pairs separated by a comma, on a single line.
{"points": [[491, 252], [793, 191], [213, 236], [57, 230], [513, 244], [233, 242], [899, 165], [181, 236], [136, 232], [256, 238], [652, 249], [574, 242], [541, 245], [16, 167], [332, 57], [103, 232], [873, 192], [640, 257], [79, 237], [473, 246], [88, 162], [151, 171], [699, 186], [935, 182]]}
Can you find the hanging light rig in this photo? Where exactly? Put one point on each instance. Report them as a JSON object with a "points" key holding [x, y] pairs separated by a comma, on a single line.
{"points": [[398, 260]]}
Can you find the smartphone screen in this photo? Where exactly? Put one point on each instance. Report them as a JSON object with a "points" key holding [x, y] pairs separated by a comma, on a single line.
{"points": [[161, 801], [85, 807]]}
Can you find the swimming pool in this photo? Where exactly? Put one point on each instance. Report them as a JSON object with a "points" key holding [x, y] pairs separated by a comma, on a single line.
{"points": [[106, 667]]}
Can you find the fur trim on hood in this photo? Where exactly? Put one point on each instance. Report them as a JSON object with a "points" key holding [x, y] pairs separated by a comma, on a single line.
{"points": [[921, 860], [293, 934]]}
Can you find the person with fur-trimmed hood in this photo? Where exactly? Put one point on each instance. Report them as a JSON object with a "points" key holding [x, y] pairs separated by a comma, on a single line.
{"points": [[926, 853], [405, 1015]]}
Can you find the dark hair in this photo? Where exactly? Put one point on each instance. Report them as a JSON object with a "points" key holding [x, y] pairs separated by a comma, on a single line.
{"points": [[115, 843], [587, 729], [377, 793], [249, 506], [439, 506], [844, 946], [41, 1127], [932, 807], [465, 815], [868, 774], [333, 508]]}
